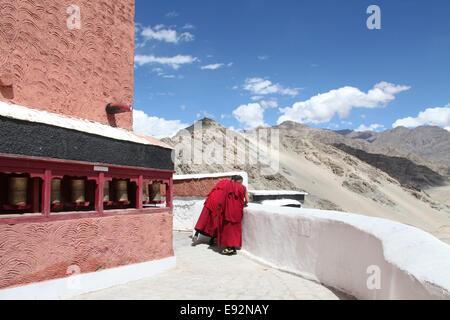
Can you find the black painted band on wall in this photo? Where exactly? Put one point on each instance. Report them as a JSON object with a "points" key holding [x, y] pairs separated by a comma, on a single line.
{"points": [[26, 138]]}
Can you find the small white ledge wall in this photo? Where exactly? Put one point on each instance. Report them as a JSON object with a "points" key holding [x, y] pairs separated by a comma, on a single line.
{"points": [[342, 251], [186, 213]]}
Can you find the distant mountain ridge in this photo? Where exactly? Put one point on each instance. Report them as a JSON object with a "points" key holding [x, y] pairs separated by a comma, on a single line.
{"points": [[427, 146], [429, 142], [419, 157]]}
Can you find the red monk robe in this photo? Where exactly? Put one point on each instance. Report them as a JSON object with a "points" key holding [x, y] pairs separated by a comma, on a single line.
{"points": [[208, 223], [230, 230]]}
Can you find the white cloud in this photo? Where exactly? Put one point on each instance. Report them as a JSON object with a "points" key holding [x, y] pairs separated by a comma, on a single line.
{"points": [[262, 58], [154, 126], [174, 62], [256, 98], [158, 27], [205, 114], [160, 72], [188, 26], [269, 104], [172, 14], [161, 33], [216, 66], [323, 107], [186, 36], [372, 127], [137, 27], [431, 116], [212, 66], [250, 115], [259, 86]]}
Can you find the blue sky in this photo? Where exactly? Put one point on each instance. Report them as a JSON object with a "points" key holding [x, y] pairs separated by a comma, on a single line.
{"points": [[251, 62]]}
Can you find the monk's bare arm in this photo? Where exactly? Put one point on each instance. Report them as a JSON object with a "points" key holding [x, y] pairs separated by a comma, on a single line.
{"points": [[247, 198]]}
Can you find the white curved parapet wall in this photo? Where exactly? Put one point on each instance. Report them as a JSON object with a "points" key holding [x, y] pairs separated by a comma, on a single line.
{"points": [[368, 258], [186, 213]]}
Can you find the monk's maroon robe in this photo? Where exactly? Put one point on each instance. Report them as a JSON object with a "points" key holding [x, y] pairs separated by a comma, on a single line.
{"points": [[230, 228], [208, 223]]}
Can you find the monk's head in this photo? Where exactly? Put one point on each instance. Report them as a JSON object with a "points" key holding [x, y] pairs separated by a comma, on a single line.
{"points": [[237, 179]]}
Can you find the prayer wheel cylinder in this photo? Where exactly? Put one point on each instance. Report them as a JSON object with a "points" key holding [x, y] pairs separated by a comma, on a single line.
{"points": [[106, 187], [155, 192], [17, 195], [78, 190], [121, 187], [56, 191]]}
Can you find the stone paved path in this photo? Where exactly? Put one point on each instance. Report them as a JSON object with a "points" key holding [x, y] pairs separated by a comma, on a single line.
{"points": [[196, 278]]}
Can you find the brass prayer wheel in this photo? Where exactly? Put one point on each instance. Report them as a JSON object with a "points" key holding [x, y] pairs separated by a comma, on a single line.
{"points": [[121, 187], [17, 195], [78, 190], [56, 191], [155, 192], [106, 188]]}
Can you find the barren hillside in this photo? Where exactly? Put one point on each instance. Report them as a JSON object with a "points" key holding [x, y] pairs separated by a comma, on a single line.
{"points": [[429, 142], [334, 179]]}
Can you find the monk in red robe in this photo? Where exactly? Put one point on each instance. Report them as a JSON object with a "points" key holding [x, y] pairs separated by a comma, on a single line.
{"points": [[235, 198], [208, 222]]}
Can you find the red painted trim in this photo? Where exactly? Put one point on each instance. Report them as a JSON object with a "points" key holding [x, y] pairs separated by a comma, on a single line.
{"points": [[130, 212], [139, 193], [16, 207], [99, 193], [82, 215], [35, 194], [48, 169], [46, 192], [169, 194]]}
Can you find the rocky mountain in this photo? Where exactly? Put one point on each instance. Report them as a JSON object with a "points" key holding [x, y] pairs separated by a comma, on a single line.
{"points": [[403, 170], [429, 142], [337, 175], [414, 148]]}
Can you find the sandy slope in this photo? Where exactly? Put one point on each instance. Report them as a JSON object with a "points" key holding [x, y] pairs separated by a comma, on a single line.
{"points": [[441, 194], [321, 182]]}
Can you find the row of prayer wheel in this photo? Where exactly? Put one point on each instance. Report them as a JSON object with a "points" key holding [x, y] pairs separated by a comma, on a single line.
{"points": [[121, 187], [18, 190], [78, 191]]}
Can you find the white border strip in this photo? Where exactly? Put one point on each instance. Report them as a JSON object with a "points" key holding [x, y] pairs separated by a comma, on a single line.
{"points": [[39, 116], [212, 175], [84, 283], [276, 193]]}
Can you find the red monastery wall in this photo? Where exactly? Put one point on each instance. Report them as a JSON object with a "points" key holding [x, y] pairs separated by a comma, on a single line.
{"points": [[195, 187], [34, 252], [75, 72]]}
